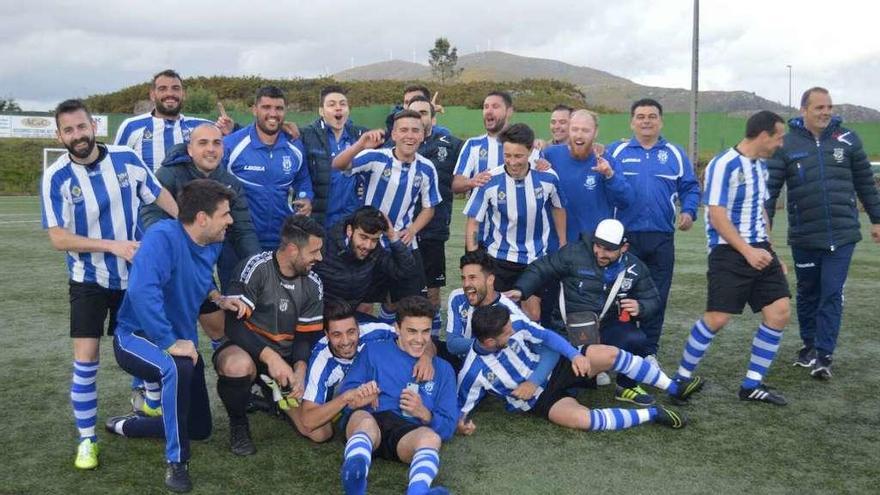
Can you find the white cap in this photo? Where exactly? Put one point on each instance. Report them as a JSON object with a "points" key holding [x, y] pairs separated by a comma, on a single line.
{"points": [[609, 234]]}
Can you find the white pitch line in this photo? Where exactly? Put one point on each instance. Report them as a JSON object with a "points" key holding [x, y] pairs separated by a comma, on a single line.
{"points": [[18, 221]]}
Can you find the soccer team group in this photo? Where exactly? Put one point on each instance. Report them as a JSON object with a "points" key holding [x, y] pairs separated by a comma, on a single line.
{"points": [[313, 259]]}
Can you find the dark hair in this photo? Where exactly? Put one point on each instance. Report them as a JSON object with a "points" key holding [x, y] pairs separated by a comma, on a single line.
{"points": [[422, 98], [805, 98], [478, 257], [562, 106], [414, 306], [201, 195], [763, 121], [335, 310], [504, 95], [167, 73], [298, 228], [368, 219], [333, 88], [518, 134], [70, 106], [645, 102], [407, 114], [269, 92], [488, 322], [417, 87]]}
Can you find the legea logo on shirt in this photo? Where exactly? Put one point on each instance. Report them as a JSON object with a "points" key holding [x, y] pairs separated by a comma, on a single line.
{"points": [[254, 168]]}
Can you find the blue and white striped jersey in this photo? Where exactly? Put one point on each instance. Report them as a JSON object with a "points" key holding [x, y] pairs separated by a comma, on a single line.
{"points": [[151, 137], [394, 187], [458, 319], [739, 184], [326, 371], [479, 154], [99, 201], [516, 213], [500, 372]]}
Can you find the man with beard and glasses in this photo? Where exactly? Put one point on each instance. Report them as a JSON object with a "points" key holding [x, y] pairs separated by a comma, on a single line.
{"points": [[90, 199], [396, 179], [157, 338], [152, 134], [346, 332], [336, 195], [593, 183], [366, 251], [271, 166], [516, 205], [282, 321]]}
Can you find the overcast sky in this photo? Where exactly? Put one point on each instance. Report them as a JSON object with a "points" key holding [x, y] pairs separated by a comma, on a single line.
{"points": [[57, 49]]}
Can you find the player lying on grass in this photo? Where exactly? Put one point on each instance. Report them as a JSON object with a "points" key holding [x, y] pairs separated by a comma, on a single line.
{"points": [[506, 353], [394, 414], [345, 334]]}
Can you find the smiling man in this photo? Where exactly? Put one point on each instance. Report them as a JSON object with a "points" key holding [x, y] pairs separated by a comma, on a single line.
{"points": [[152, 134], [399, 417], [483, 153]]}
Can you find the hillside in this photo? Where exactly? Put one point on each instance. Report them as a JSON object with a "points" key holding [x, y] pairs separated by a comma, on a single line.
{"points": [[600, 88]]}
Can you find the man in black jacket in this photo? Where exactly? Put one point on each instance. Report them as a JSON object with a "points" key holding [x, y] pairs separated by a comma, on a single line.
{"points": [[336, 195], [589, 270], [824, 168], [356, 266]]}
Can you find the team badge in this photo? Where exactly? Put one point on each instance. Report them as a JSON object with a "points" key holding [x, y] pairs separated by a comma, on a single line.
{"points": [[663, 156], [590, 183], [463, 312], [502, 196], [417, 180], [740, 178], [122, 177], [626, 284], [442, 154], [148, 135], [386, 174], [838, 155], [76, 194], [282, 304], [186, 132], [490, 377], [428, 387], [286, 164], [484, 152]]}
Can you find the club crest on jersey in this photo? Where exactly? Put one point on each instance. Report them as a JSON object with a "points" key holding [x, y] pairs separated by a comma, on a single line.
{"points": [[186, 132], [282, 304], [417, 180], [463, 312], [484, 152], [626, 284], [286, 164], [386, 174], [838, 155], [590, 183], [502, 196], [428, 387], [490, 377], [663, 156], [442, 154], [148, 135], [76, 194], [122, 177]]}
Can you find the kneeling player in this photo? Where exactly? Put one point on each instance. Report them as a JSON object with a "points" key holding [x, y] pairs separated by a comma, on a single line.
{"points": [[345, 335], [506, 353], [397, 417], [285, 302]]}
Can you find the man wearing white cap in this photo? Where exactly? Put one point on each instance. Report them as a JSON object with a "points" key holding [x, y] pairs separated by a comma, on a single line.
{"points": [[598, 275]]}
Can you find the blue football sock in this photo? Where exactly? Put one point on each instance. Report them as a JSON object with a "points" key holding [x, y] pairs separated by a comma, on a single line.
{"points": [[356, 466], [84, 398], [694, 350], [619, 419], [386, 315], [153, 394], [764, 348], [422, 471], [641, 370]]}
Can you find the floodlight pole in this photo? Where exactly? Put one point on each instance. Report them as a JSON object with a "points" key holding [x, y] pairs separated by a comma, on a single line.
{"points": [[695, 70]]}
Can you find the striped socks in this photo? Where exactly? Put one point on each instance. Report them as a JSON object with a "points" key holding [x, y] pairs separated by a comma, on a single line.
{"points": [[356, 465], [610, 419], [386, 315], [422, 470], [84, 398], [694, 350], [153, 394], [764, 348], [641, 370]]}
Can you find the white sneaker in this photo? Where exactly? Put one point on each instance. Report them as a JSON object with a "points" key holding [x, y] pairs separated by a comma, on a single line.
{"points": [[603, 379]]}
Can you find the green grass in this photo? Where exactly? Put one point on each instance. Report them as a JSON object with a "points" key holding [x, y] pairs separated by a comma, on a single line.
{"points": [[825, 441]]}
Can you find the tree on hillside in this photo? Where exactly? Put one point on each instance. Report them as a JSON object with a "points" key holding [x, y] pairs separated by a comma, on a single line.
{"points": [[9, 105], [443, 61]]}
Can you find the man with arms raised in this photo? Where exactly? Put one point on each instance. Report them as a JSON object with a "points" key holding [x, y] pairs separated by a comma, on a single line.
{"points": [[90, 199]]}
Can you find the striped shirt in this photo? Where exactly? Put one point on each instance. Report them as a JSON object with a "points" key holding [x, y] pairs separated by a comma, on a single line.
{"points": [[99, 201], [482, 153], [500, 372], [394, 187], [326, 371], [151, 137], [517, 213], [459, 312], [739, 184]]}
